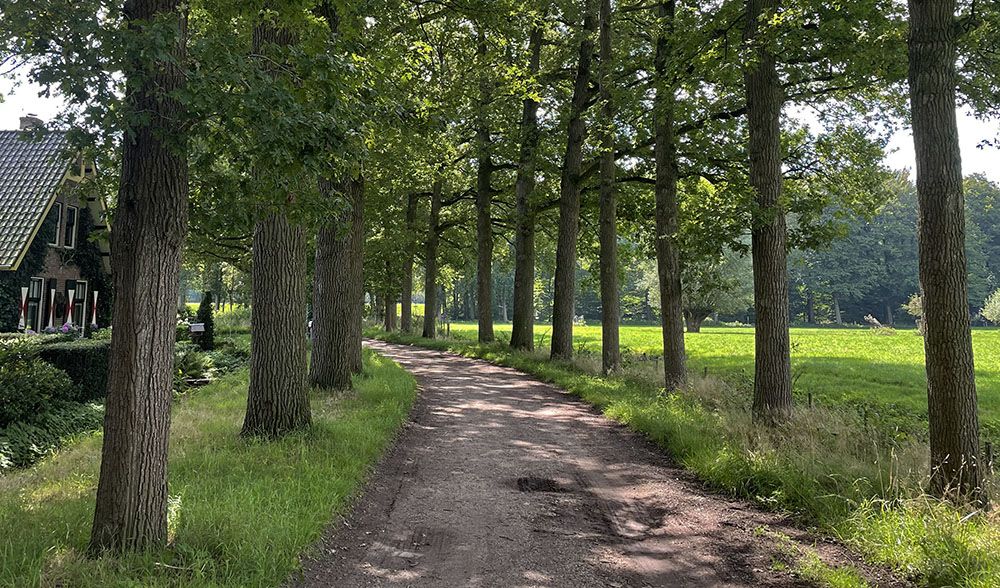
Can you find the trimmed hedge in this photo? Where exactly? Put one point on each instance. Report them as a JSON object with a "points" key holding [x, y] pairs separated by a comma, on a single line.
{"points": [[86, 363], [27, 384], [23, 443]]}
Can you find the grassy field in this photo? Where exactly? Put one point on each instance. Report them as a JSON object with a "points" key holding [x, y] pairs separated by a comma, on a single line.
{"points": [[241, 511], [834, 365]]}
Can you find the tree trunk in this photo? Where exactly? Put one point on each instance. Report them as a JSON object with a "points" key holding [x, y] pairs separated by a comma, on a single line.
{"points": [[668, 263], [406, 294], [563, 307], [811, 307], [430, 263], [772, 400], [951, 387], [890, 319], [484, 197], [611, 357], [131, 508], [838, 317], [338, 291], [522, 334], [277, 400], [694, 321], [389, 312]]}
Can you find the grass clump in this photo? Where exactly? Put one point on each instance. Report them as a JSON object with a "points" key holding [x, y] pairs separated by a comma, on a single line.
{"points": [[856, 474], [241, 511]]}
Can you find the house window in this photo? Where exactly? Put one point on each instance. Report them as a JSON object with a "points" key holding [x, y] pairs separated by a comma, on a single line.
{"points": [[33, 320], [56, 212], [70, 239], [80, 303]]}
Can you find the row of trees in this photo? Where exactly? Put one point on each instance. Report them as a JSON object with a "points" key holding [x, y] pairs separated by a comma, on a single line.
{"points": [[756, 130], [273, 132]]}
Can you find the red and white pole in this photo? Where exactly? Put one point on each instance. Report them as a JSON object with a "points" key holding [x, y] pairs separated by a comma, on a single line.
{"points": [[93, 312], [22, 320], [69, 307], [52, 308]]}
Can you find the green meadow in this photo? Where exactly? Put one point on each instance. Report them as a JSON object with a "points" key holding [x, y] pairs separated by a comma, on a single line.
{"points": [[832, 365]]}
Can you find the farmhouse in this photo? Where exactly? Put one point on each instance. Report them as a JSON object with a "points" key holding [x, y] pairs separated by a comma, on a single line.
{"points": [[51, 270]]}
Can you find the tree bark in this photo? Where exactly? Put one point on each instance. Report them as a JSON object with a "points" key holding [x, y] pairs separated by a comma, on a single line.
{"points": [[338, 291], [430, 263], [389, 312], [151, 222], [694, 319], [668, 263], [956, 470], [522, 334], [772, 400], [810, 307], [484, 199], [838, 317], [277, 400], [563, 304], [890, 319], [406, 293], [611, 357]]}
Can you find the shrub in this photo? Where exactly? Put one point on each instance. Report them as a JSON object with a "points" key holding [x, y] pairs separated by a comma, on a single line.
{"points": [[27, 384], [206, 340], [86, 363], [991, 308], [23, 443]]}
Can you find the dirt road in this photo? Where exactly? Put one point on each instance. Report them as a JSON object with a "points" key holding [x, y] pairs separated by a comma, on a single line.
{"points": [[501, 480]]}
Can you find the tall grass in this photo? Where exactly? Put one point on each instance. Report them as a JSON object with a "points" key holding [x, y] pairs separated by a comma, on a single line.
{"points": [[241, 511], [856, 475]]}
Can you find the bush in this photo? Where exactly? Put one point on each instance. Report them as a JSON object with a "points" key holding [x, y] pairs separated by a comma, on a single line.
{"points": [[206, 340], [23, 443], [86, 363], [27, 384], [991, 308]]}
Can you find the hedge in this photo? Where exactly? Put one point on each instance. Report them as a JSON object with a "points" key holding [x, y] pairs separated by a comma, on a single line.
{"points": [[86, 363], [24, 443]]}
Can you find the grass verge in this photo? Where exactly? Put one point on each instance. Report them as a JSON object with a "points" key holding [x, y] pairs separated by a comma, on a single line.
{"points": [[241, 511], [856, 476]]}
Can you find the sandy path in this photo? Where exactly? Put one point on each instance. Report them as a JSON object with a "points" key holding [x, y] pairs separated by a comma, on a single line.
{"points": [[501, 480]]}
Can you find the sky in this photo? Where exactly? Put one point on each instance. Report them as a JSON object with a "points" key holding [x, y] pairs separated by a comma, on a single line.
{"points": [[975, 159]]}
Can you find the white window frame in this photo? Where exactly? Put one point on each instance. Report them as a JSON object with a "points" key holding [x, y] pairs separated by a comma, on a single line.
{"points": [[83, 302], [76, 226], [59, 224], [37, 327]]}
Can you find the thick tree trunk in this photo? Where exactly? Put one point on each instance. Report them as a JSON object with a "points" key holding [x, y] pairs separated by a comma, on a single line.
{"points": [[277, 400], [522, 334], [151, 222], [838, 317], [338, 292], [611, 357], [668, 263], [430, 263], [484, 199], [956, 469], [694, 321], [890, 319], [563, 304], [772, 400], [406, 293]]}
